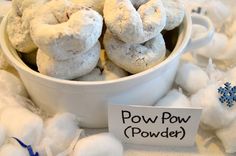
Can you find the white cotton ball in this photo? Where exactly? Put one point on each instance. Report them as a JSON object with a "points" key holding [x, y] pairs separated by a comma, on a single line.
{"points": [[218, 12], [215, 115], [103, 144], [228, 137], [191, 78], [59, 132], [2, 135], [96, 5], [174, 99], [11, 84], [216, 48], [7, 100], [12, 150], [22, 124]]}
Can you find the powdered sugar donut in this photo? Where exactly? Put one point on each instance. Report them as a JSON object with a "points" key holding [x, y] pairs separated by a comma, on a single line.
{"points": [[19, 122], [59, 132], [79, 65], [135, 58], [105, 70], [18, 29], [96, 5], [62, 29], [9, 83], [131, 25], [174, 12]]}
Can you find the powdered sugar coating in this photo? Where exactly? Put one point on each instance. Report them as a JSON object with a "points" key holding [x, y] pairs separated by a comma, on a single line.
{"points": [[80, 64], [135, 58], [18, 29], [96, 5], [174, 12], [62, 29], [131, 25], [105, 70]]}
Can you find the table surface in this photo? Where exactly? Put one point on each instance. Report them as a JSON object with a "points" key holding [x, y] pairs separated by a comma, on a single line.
{"points": [[207, 144]]}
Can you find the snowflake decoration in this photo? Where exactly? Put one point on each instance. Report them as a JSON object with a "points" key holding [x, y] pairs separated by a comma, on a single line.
{"points": [[228, 94]]}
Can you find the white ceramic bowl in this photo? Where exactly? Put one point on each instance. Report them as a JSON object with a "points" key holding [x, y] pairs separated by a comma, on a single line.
{"points": [[89, 100]]}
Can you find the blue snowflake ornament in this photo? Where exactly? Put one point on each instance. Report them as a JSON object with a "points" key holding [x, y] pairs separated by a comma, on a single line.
{"points": [[228, 94]]}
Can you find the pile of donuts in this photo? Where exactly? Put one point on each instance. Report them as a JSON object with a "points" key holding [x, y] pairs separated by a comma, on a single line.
{"points": [[63, 38]]}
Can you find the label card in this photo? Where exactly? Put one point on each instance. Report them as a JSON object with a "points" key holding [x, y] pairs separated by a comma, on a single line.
{"points": [[154, 125]]}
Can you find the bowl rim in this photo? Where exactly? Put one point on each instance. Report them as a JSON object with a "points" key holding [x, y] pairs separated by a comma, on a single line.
{"points": [[19, 64]]}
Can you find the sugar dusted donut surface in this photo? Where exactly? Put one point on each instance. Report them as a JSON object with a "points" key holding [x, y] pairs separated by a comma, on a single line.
{"points": [[135, 58], [72, 68], [62, 29], [131, 25]]}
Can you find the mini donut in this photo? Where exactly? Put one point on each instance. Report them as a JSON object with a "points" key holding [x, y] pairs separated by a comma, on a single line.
{"points": [[79, 65], [174, 12], [96, 5], [105, 70], [135, 58], [137, 3], [18, 29], [62, 29], [131, 25]]}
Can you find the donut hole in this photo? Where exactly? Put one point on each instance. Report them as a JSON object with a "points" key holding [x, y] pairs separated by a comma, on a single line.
{"points": [[138, 3], [62, 18]]}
